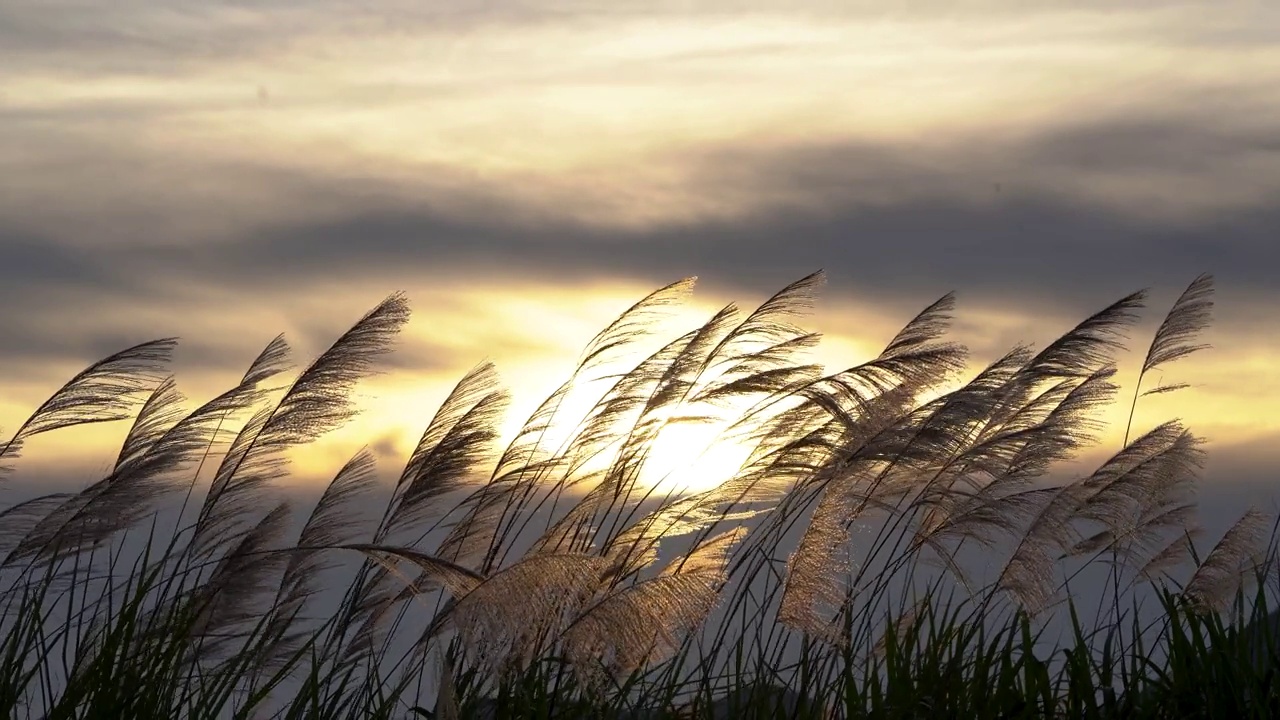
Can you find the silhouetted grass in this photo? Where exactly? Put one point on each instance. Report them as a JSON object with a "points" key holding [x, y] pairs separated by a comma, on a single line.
{"points": [[894, 544]]}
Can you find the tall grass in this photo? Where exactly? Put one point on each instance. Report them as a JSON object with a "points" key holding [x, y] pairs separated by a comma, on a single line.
{"points": [[899, 540]]}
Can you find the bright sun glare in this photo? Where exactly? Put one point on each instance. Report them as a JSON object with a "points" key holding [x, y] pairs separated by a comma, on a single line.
{"points": [[692, 459], [687, 456]]}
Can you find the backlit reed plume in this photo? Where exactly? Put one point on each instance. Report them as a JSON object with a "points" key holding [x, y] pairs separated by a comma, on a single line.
{"points": [[863, 494]]}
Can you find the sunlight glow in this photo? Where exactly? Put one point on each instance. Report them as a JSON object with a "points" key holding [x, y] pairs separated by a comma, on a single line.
{"points": [[533, 333]]}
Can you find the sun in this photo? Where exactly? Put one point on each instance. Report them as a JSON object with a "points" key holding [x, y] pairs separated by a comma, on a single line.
{"points": [[692, 458], [687, 456]]}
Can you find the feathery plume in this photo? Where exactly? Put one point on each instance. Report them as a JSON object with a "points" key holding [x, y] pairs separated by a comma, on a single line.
{"points": [[1174, 339], [18, 521], [645, 622], [1190, 315], [1228, 565], [228, 601], [634, 321], [1027, 575], [331, 521], [102, 392], [1171, 555], [815, 584], [314, 404], [516, 611], [455, 578], [452, 448]]}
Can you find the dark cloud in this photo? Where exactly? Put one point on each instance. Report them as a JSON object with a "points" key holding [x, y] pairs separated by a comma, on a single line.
{"points": [[896, 224], [1011, 250], [1003, 222], [32, 261]]}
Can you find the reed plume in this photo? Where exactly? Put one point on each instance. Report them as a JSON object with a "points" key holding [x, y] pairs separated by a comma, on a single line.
{"points": [[864, 493], [1176, 338], [314, 404], [1230, 563]]}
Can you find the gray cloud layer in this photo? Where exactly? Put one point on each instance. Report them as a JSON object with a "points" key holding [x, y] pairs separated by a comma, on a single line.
{"points": [[112, 232], [992, 218]]}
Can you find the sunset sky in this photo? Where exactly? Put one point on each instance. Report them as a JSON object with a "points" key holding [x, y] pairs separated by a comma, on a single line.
{"points": [[525, 170]]}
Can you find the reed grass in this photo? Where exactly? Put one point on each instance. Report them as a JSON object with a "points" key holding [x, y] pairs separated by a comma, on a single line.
{"points": [[899, 541]]}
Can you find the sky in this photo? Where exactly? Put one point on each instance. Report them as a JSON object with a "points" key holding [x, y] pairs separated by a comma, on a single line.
{"points": [[224, 171]]}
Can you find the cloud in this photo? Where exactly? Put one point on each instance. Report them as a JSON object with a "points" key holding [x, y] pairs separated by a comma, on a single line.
{"points": [[144, 34], [1007, 222], [1072, 215], [1141, 196], [552, 163]]}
